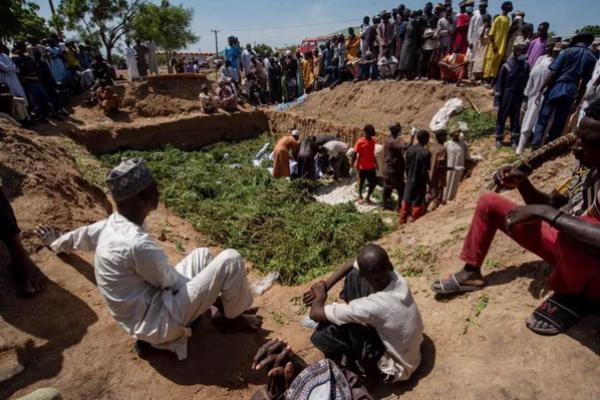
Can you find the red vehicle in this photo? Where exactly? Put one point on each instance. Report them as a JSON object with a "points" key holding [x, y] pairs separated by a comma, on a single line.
{"points": [[309, 44]]}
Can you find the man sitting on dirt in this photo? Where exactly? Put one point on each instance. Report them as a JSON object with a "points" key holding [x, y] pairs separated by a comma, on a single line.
{"points": [[378, 333], [29, 278], [152, 301], [227, 95], [108, 100], [563, 228], [208, 102]]}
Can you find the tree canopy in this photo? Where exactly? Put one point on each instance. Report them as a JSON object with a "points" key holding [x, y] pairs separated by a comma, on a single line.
{"points": [[593, 29], [166, 25], [263, 49], [107, 19], [20, 19]]}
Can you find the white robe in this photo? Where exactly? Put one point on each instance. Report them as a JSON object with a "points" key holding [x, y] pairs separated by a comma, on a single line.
{"points": [[151, 300], [458, 153], [152, 60], [8, 75], [475, 26], [535, 98], [131, 58], [586, 102]]}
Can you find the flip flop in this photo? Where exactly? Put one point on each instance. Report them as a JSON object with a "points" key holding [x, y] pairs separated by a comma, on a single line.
{"points": [[451, 286], [561, 311]]}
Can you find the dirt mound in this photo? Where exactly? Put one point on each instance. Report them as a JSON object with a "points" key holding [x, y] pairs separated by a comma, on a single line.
{"points": [[42, 181], [162, 97], [382, 103]]}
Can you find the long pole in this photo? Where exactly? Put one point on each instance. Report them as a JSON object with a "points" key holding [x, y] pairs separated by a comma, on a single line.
{"points": [[216, 42], [55, 20]]}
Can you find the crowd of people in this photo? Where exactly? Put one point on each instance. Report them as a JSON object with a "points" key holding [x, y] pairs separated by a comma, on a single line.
{"points": [[537, 79], [374, 333], [38, 79], [141, 59], [424, 173]]}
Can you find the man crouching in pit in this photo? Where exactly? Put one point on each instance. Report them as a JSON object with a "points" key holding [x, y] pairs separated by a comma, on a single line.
{"points": [[154, 302], [377, 332]]}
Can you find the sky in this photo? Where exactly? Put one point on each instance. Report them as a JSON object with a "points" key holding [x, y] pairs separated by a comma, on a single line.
{"points": [[279, 23]]}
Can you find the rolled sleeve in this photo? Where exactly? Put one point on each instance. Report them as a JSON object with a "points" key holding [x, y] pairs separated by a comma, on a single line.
{"points": [[355, 312]]}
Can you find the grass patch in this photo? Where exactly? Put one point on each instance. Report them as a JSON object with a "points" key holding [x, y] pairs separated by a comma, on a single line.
{"points": [[276, 224], [481, 305], [89, 167], [480, 124], [415, 261]]}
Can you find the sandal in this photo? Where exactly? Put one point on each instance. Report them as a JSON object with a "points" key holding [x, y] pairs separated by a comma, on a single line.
{"points": [[561, 311], [451, 286]]}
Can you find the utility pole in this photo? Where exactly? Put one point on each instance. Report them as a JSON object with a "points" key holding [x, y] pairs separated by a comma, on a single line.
{"points": [[216, 42]]}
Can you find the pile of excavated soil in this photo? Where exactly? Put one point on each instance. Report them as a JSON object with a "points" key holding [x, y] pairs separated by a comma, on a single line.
{"points": [[41, 179], [162, 97], [382, 103]]}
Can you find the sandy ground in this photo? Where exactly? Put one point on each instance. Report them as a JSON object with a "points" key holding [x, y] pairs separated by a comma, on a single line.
{"points": [[65, 338]]}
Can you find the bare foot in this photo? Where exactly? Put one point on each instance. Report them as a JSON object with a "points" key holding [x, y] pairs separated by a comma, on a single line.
{"points": [[242, 323]]}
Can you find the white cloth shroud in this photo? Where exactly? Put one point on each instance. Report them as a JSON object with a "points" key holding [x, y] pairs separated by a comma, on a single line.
{"points": [[442, 117]]}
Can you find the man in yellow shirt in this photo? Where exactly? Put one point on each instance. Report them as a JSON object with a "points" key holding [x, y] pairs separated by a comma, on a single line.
{"points": [[498, 41]]}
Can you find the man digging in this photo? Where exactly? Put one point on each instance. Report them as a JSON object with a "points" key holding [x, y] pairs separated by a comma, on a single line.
{"points": [[152, 301]]}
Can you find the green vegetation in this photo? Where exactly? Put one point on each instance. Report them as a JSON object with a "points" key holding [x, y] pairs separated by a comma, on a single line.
{"points": [[480, 124], [481, 305], [414, 261], [276, 224]]}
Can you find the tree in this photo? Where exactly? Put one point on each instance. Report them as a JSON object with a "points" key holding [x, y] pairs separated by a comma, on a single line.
{"points": [[263, 49], [593, 29], [19, 20], [107, 19], [166, 25]]}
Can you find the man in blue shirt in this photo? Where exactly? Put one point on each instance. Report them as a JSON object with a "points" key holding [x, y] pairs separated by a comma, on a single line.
{"points": [[232, 54], [571, 71]]}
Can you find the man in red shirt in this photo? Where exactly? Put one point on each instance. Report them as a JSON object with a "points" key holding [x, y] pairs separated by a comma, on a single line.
{"points": [[364, 156]]}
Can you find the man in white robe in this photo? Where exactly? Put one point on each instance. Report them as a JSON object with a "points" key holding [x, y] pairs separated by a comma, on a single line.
{"points": [[457, 153], [475, 26], [8, 74], [535, 95], [152, 59], [151, 300], [131, 58]]}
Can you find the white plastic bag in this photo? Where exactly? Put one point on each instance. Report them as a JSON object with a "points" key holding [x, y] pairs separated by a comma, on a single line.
{"points": [[262, 285]]}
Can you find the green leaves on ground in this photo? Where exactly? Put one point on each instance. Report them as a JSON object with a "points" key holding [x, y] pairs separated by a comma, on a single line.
{"points": [[276, 224], [480, 124]]}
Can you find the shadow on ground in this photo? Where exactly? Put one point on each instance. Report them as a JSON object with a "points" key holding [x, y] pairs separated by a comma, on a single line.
{"points": [[428, 354], [214, 358], [55, 316]]}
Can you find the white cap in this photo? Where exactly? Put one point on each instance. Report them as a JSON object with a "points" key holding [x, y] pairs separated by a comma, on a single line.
{"points": [[296, 133]]}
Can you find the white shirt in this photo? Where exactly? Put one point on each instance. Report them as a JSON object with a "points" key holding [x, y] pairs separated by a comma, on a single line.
{"points": [[336, 148], [247, 60], [395, 316], [475, 27], [135, 279]]}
